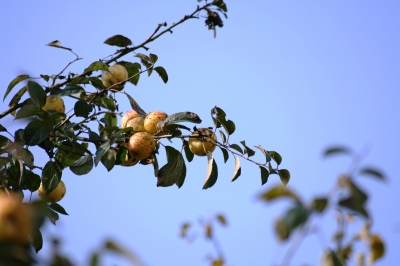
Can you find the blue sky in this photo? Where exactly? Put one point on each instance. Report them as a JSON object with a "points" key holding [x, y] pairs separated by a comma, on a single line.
{"points": [[295, 77]]}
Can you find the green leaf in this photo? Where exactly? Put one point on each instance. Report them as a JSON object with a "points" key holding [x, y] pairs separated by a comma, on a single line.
{"points": [[133, 71], [27, 111], [101, 150], [69, 90], [143, 57], [174, 172], [238, 169], [212, 172], [96, 66], [229, 126], [188, 153], [94, 259], [82, 166], [223, 137], [356, 200], [221, 4], [267, 157], [53, 216], [26, 156], [373, 173], [264, 175], [153, 58], [32, 181], [58, 208], [14, 101], [337, 150], [13, 83], [97, 83], [37, 93], [279, 192], [135, 106], [106, 103], [275, 156], [236, 147], [45, 77], [118, 40], [110, 120], [108, 159], [319, 204], [36, 131], [51, 176], [225, 153], [162, 73], [222, 220], [293, 219], [82, 108], [182, 117], [247, 150], [68, 153], [36, 240], [284, 176]]}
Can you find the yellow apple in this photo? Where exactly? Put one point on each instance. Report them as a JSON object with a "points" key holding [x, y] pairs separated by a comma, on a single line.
{"points": [[114, 74], [152, 119], [128, 116], [202, 141], [56, 195], [137, 124], [55, 103], [141, 145]]}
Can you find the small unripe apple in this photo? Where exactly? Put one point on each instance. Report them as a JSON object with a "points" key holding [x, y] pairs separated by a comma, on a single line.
{"points": [[114, 74], [128, 116], [55, 103], [152, 119], [202, 141], [56, 195], [141, 145]]}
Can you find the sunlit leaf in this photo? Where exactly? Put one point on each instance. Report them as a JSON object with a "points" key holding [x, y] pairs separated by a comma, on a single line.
{"points": [[377, 248], [212, 172], [118, 40], [238, 170], [13, 83], [15, 100]]}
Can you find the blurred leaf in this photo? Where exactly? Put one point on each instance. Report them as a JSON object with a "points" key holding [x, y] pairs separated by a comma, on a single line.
{"points": [[101, 150], [36, 131], [182, 117], [356, 200], [108, 159], [184, 229], [221, 4], [82, 166], [162, 73], [223, 137], [13, 83], [27, 111], [275, 156], [36, 240], [37, 93], [58, 208], [247, 150], [279, 192], [96, 66], [94, 259], [238, 169], [222, 220], [118, 40], [14, 101], [377, 248], [337, 150], [174, 172], [372, 172], [264, 175], [225, 153], [293, 219], [82, 108], [330, 258], [236, 147], [45, 77], [284, 176], [132, 257], [212, 172], [188, 153], [135, 106], [319, 204], [51, 176]]}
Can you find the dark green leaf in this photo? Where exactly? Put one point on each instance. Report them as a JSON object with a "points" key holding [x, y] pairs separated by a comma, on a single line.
{"points": [[221, 4], [275, 156], [372, 172], [238, 169], [36, 240], [212, 173], [32, 181], [162, 73], [51, 176], [68, 153], [94, 259], [284, 176], [101, 150], [82, 108], [36, 131], [133, 71], [174, 172], [264, 175], [182, 117], [236, 147], [45, 77], [58, 208], [221, 219], [319, 204], [188, 153], [15, 100], [225, 153], [108, 159], [337, 150], [96, 66], [97, 83], [82, 166], [135, 106], [27, 111], [69, 90], [2, 129], [93, 136], [118, 40], [247, 150], [356, 200], [13, 83], [4, 142], [153, 58], [229, 126], [37, 93], [26, 156], [53, 216]]}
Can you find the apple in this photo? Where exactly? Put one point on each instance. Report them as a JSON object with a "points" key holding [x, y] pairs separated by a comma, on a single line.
{"points": [[141, 145], [56, 195], [202, 141], [152, 119], [55, 103], [128, 116], [115, 74]]}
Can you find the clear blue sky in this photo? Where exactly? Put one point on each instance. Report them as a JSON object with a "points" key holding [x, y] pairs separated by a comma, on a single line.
{"points": [[295, 77]]}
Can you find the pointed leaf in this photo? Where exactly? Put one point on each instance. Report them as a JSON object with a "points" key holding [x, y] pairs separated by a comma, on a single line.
{"points": [[58, 208], [118, 40], [37, 93], [236, 147], [319, 204], [275, 156], [13, 83], [182, 117], [223, 137], [135, 106], [373, 173], [284, 176], [108, 159], [247, 150], [238, 169], [96, 66], [36, 240], [51, 176], [153, 58], [162, 73], [101, 150], [15, 100], [133, 71], [53, 216], [174, 172], [267, 157], [264, 175], [225, 153], [212, 172]]}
